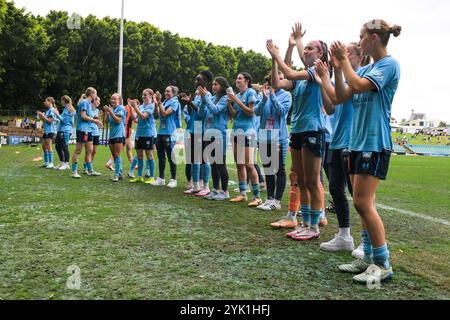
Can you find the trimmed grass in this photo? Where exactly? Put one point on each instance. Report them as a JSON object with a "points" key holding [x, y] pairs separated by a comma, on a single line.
{"points": [[138, 242]]}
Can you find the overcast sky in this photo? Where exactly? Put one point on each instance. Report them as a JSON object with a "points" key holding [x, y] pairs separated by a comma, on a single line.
{"points": [[425, 38]]}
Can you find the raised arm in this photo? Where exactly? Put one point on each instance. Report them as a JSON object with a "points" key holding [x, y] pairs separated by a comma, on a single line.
{"points": [[288, 72]]}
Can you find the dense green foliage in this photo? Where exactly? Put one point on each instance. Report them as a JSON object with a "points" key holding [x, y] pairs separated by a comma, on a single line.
{"points": [[41, 56]]}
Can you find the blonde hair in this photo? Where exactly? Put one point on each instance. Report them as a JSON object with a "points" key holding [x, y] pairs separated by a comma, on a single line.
{"points": [[365, 60], [68, 101], [90, 91], [52, 101]]}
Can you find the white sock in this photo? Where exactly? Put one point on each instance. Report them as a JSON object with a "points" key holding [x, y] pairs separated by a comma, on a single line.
{"points": [[292, 215], [344, 233]]}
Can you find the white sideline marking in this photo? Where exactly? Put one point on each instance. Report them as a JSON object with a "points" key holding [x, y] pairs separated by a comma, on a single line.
{"points": [[405, 212]]}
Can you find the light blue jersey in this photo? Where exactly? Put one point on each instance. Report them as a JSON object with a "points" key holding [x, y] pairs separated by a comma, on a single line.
{"points": [[50, 127], [94, 126], [343, 118], [84, 126], [187, 118], [146, 128], [117, 130], [66, 120], [307, 113], [218, 108], [242, 121], [168, 125], [273, 111], [371, 129], [329, 127], [199, 118]]}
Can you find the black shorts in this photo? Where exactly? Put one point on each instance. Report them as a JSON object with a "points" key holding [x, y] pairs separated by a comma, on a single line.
{"points": [[314, 141], [83, 137], [144, 143], [372, 163], [117, 140], [96, 140], [48, 136], [249, 141]]}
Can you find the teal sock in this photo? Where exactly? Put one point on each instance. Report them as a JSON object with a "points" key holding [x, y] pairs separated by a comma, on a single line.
{"points": [[255, 190], [134, 163], [45, 156], [243, 188], [89, 167], [75, 167], [140, 167], [367, 245], [206, 170], [315, 218], [118, 165], [195, 170], [152, 168], [381, 256], [50, 156], [306, 209]]}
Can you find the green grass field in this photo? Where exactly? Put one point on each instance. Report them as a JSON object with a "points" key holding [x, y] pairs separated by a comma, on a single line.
{"points": [[141, 242]]}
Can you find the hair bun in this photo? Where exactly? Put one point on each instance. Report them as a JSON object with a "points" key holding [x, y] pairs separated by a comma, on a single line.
{"points": [[395, 30]]}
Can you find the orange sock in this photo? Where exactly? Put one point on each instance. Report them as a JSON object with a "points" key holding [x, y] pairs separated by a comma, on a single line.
{"points": [[294, 199]]}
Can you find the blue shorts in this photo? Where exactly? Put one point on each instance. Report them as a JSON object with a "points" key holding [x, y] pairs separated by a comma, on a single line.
{"points": [[313, 141], [372, 163]]}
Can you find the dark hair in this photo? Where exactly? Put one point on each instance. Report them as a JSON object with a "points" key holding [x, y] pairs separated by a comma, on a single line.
{"points": [[382, 29], [207, 75], [223, 85], [325, 58], [247, 77]]}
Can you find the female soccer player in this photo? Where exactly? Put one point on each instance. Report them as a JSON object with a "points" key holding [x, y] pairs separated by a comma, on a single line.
{"points": [[307, 133], [168, 115], [116, 133], [339, 147], [144, 134], [65, 129], [84, 130], [372, 89], [273, 136], [244, 137], [49, 118], [197, 126], [95, 137], [216, 132]]}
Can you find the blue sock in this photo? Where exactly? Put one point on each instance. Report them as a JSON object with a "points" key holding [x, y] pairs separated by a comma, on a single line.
{"points": [[140, 167], [75, 167], [50, 157], [89, 167], [315, 217], [243, 187], [118, 165], [85, 166], [152, 167], [206, 168], [367, 245], [381, 256], [195, 169], [255, 190], [45, 156], [134, 163], [306, 209]]}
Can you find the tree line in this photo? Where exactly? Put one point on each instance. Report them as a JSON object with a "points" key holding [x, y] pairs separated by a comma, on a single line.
{"points": [[42, 56]]}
